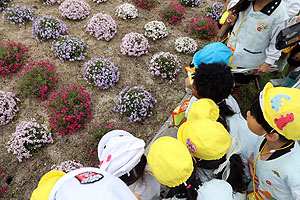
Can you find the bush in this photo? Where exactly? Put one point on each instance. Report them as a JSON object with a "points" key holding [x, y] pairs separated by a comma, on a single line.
{"points": [[127, 11], [74, 9], [38, 79], [156, 30], [134, 103], [90, 140], [172, 13], [147, 4], [99, 1], [3, 183], [191, 3], [48, 27], [69, 48], [101, 73], [214, 10], [8, 107], [4, 4], [165, 65], [50, 2], [67, 166], [202, 28], [18, 14], [12, 57], [186, 45], [29, 136], [134, 44], [102, 26], [69, 109]]}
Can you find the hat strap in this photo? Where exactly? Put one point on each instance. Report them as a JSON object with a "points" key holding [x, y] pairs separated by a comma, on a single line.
{"points": [[234, 148]]}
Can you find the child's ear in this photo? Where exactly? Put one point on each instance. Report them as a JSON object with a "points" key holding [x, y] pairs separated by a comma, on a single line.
{"points": [[272, 137]]}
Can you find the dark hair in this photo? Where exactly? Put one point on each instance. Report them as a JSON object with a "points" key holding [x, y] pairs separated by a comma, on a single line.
{"points": [[136, 173], [215, 81], [257, 114], [242, 5], [236, 175]]}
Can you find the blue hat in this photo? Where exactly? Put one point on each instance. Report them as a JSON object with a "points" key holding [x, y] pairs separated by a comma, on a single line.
{"points": [[212, 53]]}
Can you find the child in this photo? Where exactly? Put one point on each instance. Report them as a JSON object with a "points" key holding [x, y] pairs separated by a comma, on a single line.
{"points": [[172, 165], [276, 161], [122, 155], [81, 184]]}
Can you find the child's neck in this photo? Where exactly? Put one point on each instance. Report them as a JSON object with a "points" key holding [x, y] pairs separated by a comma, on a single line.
{"points": [[259, 4], [271, 146]]}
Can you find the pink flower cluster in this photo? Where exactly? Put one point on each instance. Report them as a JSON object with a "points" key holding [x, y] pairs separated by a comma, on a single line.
{"points": [[8, 107], [74, 9], [202, 28], [147, 4], [12, 57], [69, 109], [134, 44], [173, 12], [67, 166]]}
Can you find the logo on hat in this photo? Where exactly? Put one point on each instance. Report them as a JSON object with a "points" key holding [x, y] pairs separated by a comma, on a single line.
{"points": [[277, 101], [284, 120], [191, 146], [89, 177]]}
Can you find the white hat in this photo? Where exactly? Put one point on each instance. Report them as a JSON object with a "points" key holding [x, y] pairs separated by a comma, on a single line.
{"points": [[119, 152], [215, 189], [92, 184]]}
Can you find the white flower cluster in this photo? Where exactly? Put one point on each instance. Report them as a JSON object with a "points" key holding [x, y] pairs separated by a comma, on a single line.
{"points": [[99, 1], [186, 45], [127, 11], [156, 30], [50, 2]]}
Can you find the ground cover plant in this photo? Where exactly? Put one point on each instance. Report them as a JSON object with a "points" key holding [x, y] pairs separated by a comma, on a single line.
{"points": [[172, 12], [202, 28], [186, 45], [134, 44], [146, 4], [190, 3], [4, 4], [18, 14], [127, 11], [156, 30], [74, 9], [67, 166], [8, 107], [214, 10], [50, 2]]}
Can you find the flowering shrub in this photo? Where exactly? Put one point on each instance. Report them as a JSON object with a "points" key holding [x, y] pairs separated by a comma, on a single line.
{"points": [[134, 44], [90, 140], [67, 166], [156, 30], [202, 28], [3, 183], [186, 45], [29, 136], [172, 13], [8, 107], [48, 27], [12, 57], [4, 4], [69, 109], [165, 65], [99, 1], [147, 4], [69, 48], [214, 10], [18, 14], [190, 3], [38, 79], [101, 73], [50, 2], [134, 103], [74, 9], [102, 26], [127, 11]]}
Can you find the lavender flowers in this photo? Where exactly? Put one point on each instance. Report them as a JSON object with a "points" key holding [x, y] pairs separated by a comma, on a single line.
{"points": [[214, 10], [18, 14], [101, 73], [67, 166], [48, 27], [74, 9], [4, 4], [134, 103], [8, 107], [134, 44]]}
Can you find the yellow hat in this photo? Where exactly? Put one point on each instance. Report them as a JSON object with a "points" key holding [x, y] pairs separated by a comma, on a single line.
{"points": [[170, 161], [45, 185], [203, 108], [281, 109], [206, 139]]}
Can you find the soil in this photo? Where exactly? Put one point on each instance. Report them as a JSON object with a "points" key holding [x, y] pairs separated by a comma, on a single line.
{"points": [[134, 71]]}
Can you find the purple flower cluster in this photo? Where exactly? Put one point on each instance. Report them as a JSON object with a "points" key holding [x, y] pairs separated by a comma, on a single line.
{"points": [[191, 3], [134, 103], [101, 73], [50, 2], [8, 107], [74, 9], [102, 26], [134, 44], [67, 166], [4, 4], [48, 27], [69, 48], [214, 10], [18, 14], [29, 136], [165, 65]]}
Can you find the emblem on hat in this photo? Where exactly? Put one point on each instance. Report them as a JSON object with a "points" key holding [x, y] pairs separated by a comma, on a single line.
{"points": [[277, 101], [191, 146], [89, 177], [284, 120]]}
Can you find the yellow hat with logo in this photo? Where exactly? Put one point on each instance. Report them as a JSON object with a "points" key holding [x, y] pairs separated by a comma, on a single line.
{"points": [[203, 108], [170, 161], [281, 109]]}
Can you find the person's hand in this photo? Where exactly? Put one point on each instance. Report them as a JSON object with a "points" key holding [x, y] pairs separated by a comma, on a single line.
{"points": [[137, 196], [263, 68], [296, 57], [251, 169], [231, 18], [298, 19], [187, 83]]}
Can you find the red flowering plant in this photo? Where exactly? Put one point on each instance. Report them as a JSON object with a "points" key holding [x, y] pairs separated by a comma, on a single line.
{"points": [[12, 57], [69, 109], [173, 12], [4, 181], [38, 79], [90, 140], [147, 4], [202, 28]]}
